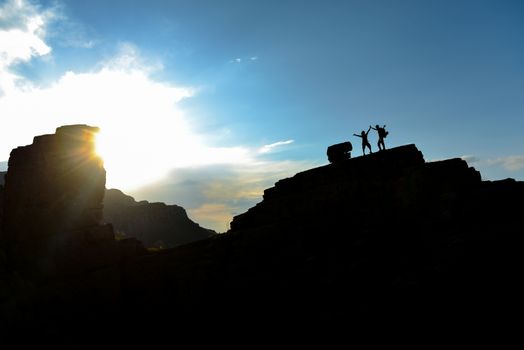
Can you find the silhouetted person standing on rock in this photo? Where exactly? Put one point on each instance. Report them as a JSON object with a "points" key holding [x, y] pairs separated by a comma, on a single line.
{"points": [[365, 143], [382, 133]]}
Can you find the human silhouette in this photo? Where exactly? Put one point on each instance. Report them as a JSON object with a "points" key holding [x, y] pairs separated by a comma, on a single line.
{"points": [[382, 133], [365, 143]]}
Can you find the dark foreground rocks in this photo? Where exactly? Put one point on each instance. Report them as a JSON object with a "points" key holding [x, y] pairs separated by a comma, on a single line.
{"points": [[386, 239]]}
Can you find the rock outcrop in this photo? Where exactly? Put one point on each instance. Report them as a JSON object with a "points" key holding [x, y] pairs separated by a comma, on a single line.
{"points": [[52, 213], [154, 224], [384, 237], [362, 188]]}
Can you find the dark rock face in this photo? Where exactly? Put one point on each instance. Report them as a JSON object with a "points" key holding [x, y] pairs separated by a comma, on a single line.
{"points": [[382, 238], [58, 179], [154, 224], [2, 182], [52, 208]]}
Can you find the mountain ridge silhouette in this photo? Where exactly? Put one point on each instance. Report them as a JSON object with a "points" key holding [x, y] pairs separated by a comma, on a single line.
{"points": [[156, 224], [386, 237]]}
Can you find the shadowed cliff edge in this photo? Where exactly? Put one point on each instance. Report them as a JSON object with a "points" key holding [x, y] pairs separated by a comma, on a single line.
{"points": [[386, 237]]}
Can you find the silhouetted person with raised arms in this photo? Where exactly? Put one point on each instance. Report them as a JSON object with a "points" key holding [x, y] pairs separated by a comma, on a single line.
{"points": [[382, 133], [365, 143]]}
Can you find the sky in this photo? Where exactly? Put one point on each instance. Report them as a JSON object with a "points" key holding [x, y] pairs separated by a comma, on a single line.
{"points": [[205, 104]]}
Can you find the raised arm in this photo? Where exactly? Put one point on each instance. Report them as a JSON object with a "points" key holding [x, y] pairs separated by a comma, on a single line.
{"points": [[357, 135], [372, 127]]}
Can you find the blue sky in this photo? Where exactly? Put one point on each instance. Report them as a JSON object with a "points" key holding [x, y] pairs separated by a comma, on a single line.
{"points": [[261, 88]]}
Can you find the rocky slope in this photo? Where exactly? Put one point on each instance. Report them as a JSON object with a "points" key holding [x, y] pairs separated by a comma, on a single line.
{"points": [[154, 224], [383, 239]]}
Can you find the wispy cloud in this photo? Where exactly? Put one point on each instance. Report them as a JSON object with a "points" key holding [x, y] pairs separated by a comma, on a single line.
{"points": [[244, 59], [511, 163], [271, 147], [129, 58], [470, 159], [70, 33]]}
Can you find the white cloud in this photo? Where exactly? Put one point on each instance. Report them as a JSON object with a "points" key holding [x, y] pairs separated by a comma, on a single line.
{"points": [[22, 33], [271, 147], [14, 14], [470, 159], [22, 44], [511, 163]]}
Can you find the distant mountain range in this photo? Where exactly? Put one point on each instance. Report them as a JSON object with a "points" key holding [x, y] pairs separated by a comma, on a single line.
{"points": [[155, 224]]}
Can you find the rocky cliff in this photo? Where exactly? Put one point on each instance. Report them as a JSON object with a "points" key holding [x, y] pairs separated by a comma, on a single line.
{"points": [[154, 224], [386, 238], [52, 206], [2, 182]]}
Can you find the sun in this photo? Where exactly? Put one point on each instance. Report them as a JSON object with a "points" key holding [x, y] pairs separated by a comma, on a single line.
{"points": [[100, 145], [143, 134], [127, 162], [136, 154]]}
